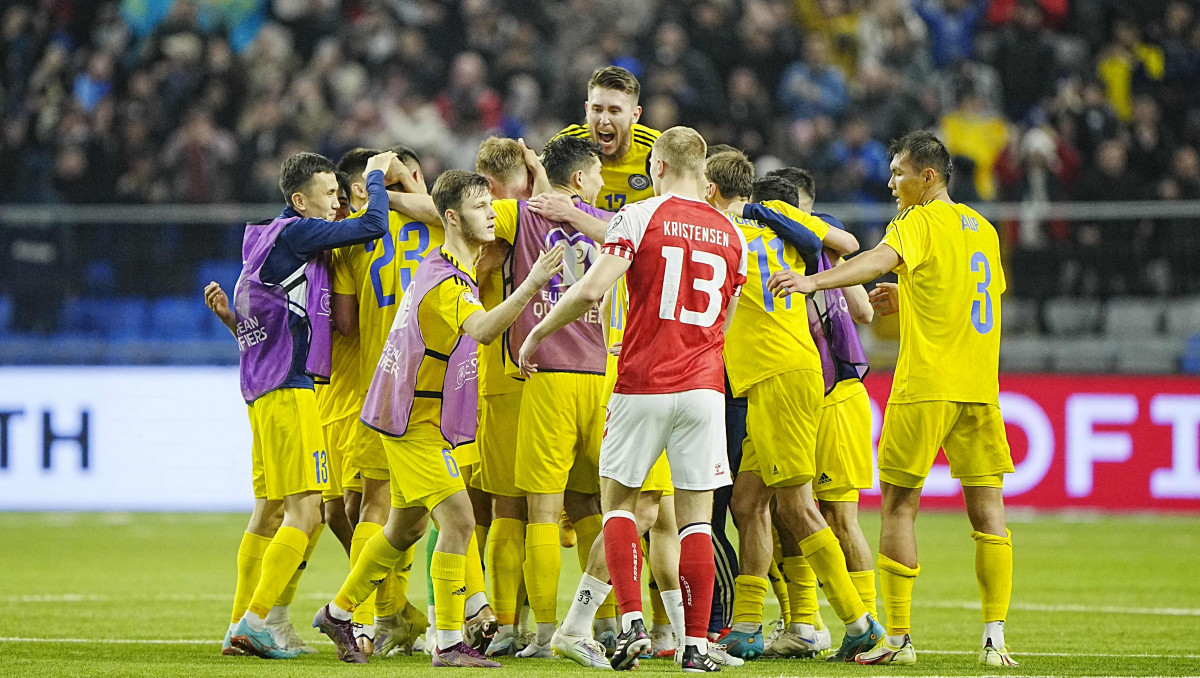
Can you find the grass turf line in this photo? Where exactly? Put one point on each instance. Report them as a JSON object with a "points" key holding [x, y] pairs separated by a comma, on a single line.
{"points": [[170, 576]]}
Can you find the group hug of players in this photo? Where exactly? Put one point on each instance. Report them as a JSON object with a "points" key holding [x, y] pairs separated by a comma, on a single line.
{"points": [[613, 343]]}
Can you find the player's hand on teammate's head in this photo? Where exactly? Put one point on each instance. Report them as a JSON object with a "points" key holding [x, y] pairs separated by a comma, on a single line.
{"points": [[380, 162], [548, 265], [785, 282], [532, 161], [885, 298], [615, 349], [553, 206]]}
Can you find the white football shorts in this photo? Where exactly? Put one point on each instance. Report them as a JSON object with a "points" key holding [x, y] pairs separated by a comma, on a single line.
{"points": [[690, 426]]}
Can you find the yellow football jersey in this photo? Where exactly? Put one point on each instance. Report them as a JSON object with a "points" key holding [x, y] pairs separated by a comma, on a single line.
{"points": [[340, 397], [441, 314], [950, 286], [626, 180], [768, 335], [377, 273], [493, 357], [618, 304]]}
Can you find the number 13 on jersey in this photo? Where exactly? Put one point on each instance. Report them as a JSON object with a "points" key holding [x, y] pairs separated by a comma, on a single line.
{"points": [[673, 276]]}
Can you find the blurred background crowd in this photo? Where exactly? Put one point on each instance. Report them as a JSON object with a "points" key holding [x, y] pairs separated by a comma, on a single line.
{"points": [[197, 101]]}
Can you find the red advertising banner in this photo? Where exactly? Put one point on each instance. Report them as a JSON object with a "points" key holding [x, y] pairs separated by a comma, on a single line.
{"points": [[1120, 443]]}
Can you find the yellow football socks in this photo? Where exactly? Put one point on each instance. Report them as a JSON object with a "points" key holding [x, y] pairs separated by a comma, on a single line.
{"points": [[824, 554], [748, 595], [473, 575], [365, 612], [392, 595], [542, 565], [780, 588], [864, 583], [447, 571], [505, 554], [375, 563], [279, 563], [994, 571], [249, 568], [586, 531], [896, 586], [801, 590], [289, 591]]}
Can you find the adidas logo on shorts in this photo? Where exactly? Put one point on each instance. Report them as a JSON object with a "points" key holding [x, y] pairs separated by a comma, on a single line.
{"points": [[824, 479]]}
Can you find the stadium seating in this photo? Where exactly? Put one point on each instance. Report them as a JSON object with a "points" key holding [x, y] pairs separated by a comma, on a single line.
{"points": [[1025, 354], [1072, 317], [1133, 317]]}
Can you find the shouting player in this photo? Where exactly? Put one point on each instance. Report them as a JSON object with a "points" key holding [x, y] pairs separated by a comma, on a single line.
{"points": [[423, 402], [945, 393], [686, 264]]}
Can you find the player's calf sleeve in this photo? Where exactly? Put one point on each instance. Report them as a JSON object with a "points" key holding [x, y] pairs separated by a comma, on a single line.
{"points": [[696, 574], [375, 564], [824, 555], [864, 583], [543, 562], [505, 555], [802, 590], [363, 532], [623, 553], [780, 588], [447, 572], [896, 586], [586, 531], [430, 545], [249, 570], [994, 571], [289, 591], [748, 595], [280, 560]]}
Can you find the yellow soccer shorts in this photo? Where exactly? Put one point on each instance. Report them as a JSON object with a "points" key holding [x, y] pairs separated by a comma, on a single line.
{"points": [[972, 435], [659, 479], [335, 444], [843, 443], [288, 448], [781, 427], [424, 471], [366, 452], [559, 433], [497, 436]]}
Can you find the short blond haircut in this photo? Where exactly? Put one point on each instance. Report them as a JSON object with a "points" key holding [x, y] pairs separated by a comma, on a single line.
{"points": [[683, 150], [500, 158], [616, 78], [732, 173]]}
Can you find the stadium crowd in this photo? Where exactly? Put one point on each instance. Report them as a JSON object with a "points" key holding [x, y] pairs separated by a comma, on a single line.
{"points": [[1038, 100]]}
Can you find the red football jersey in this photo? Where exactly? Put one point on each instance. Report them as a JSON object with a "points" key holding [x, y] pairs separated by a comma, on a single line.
{"points": [[688, 260]]}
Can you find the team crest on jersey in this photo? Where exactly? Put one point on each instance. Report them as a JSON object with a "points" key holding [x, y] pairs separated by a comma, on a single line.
{"points": [[470, 298], [580, 254], [639, 182]]}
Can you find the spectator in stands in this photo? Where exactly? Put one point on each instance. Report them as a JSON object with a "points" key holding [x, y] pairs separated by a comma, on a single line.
{"points": [[838, 20], [1128, 65], [813, 86], [974, 132], [952, 28], [1150, 143], [862, 162], [1025, 61], [1101, 243]]}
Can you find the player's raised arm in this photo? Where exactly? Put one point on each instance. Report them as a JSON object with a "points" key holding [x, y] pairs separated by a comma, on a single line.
{"points": [[486, 327], [582, 296]]}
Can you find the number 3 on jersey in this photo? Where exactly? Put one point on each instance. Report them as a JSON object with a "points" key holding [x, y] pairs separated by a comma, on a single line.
{"points": [[981, 310], [672, 277]]}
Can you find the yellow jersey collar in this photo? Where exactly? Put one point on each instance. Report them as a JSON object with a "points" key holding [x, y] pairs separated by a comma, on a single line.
{"points": [[469, 270]]}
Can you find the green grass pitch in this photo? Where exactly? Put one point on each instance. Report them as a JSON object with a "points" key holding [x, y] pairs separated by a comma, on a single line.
{"points": [[149, 595]]}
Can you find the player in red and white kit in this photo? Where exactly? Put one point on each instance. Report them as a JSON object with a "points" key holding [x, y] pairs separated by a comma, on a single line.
{"points": [[684, 264]]}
